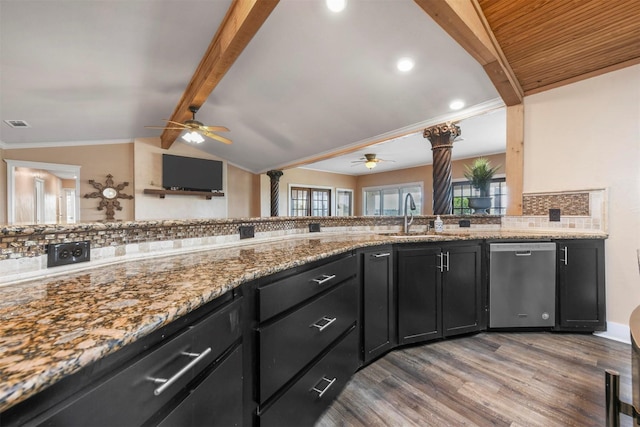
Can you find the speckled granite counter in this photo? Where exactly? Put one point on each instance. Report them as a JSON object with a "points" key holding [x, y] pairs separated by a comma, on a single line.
{"points": [[53, 327]]}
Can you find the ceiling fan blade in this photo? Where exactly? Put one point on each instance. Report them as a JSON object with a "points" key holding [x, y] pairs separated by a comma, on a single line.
{"points": [[215, 128], [217, 137], [182, 125], [162, 127]]}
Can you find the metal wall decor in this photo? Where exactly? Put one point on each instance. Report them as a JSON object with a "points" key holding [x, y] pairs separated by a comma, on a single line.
{"points": [[109, 195]]}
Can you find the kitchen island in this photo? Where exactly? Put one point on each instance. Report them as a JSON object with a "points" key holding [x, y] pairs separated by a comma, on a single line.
{"points": [[52, 328]]}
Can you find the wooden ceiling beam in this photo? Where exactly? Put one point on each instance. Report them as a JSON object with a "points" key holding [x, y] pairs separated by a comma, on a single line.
{"points": [[242, 21], [464, 21]]}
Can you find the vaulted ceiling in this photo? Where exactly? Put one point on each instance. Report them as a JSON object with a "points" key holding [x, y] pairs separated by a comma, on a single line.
{"points": [[293, 81]]}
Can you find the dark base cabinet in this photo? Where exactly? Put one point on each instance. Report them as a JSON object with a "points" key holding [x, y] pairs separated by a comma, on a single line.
{"points": [[581, 304], [307, 399], [378, 302], [440, 291], [419, 294]]}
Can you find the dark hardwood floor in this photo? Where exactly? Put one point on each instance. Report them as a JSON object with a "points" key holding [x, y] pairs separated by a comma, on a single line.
{"points": [[489, 379]]}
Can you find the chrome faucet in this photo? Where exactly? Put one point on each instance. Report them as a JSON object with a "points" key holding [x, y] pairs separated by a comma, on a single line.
{"points": [[407, 222]]}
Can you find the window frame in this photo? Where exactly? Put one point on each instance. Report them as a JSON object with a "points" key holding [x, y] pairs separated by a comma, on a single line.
{"points": [[499, 178], [401, 192], [311, 189]]}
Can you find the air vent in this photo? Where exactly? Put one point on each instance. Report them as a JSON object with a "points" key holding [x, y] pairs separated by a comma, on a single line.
{"points": [[17, 124]]}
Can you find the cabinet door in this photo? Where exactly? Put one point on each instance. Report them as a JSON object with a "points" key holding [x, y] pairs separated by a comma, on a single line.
{"points": [[378, 303], [461, 290], [419, 276], [581, 292]]}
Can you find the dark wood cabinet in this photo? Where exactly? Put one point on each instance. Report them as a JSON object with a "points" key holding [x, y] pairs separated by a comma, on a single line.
{"points": [[378, 302], [307, 338], [439, 291], [580, 284], [419, 293], [462, 308], [193, 377]]}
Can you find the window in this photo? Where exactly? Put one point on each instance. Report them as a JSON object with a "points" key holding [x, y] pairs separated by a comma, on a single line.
{"points": [[389, 200], [462, 190], [310, 201], [344, 202]]}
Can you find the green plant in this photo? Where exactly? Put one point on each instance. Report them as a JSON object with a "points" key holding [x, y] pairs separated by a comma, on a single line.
{"points": [[479, 174]]}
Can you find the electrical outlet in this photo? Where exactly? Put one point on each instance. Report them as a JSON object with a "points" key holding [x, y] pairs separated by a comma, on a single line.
{"points": [[68, 253], [314, 227], [554, 215], [246, 231], [464, 223]]}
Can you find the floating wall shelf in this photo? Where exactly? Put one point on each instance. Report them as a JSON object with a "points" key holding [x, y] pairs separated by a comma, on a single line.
{"points": [[162, 193]]}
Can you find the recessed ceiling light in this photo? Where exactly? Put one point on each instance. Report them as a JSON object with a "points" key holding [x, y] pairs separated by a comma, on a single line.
{"points": [[336, 5], [456, 104], [405, 64]]}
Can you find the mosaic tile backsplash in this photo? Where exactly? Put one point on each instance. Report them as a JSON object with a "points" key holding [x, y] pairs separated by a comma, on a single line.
{"points": [[23, 248]]}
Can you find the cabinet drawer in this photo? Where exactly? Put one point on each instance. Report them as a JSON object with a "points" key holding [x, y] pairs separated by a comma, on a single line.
{"points": [[130, 397], [303, 403], [217, 401], [292, 342], [283, 294]]}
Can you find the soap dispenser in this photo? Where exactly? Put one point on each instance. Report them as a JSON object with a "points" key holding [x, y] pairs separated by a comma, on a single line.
{"points": [[438, 225]]}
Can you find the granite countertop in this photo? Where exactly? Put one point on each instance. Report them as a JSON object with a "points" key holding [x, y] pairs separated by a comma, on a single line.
{"points": [[53, 327]]}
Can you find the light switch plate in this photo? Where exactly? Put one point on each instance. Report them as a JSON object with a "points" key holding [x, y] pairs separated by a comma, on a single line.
{"points": [[246, 231]]}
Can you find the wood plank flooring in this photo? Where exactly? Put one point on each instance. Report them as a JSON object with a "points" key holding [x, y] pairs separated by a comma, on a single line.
{"points": [[490, 379]]}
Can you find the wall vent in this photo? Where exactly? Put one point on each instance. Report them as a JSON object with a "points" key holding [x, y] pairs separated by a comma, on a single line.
{"points": [[17, 124]]}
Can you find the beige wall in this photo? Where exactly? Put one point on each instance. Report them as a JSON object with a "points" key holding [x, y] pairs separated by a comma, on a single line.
{"points": [[423, 174], [96, 161], [587, 135], [241, 193], [3, 189]]}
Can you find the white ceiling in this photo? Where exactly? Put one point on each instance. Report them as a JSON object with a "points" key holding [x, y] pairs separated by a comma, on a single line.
{"points": [[310, 82]]}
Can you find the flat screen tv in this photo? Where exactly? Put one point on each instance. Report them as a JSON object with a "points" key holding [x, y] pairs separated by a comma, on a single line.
{"points": [[190, 173]]}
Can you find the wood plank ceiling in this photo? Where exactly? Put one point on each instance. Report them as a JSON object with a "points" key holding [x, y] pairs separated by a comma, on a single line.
{"points": [[549, 43]]}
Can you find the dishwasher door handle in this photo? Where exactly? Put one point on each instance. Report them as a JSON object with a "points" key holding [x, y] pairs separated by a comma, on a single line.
{"points": [[523, 253]]}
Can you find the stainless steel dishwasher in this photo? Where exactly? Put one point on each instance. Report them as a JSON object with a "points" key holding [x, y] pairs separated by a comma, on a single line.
{"points": [[522, 284]]}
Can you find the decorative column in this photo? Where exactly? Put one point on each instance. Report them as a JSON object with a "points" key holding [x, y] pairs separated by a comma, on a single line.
{"points": [[441, 137], [275, 190]]}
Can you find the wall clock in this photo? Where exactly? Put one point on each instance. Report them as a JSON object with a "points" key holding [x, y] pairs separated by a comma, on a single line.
{"points": [[109, 193]]}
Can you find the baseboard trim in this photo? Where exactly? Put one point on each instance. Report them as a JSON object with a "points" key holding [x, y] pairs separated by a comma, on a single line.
{"points": [[616, 332]]}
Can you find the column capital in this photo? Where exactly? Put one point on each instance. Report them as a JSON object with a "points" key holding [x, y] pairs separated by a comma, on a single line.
{"points": [[442, 135], [275, 174]]}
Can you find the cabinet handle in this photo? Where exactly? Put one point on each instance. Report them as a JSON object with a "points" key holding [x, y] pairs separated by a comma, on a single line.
{"points": [[323, 323], [323, 279], [326, 387], [565, 260], [166, 383], [381, 255], [441, 266], [447, 266]]}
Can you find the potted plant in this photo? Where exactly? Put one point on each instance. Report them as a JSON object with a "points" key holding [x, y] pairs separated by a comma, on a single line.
{"points": [[480, 173]]}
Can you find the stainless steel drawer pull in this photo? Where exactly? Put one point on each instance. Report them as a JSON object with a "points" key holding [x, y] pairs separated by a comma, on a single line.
{"points": [[324, 279], [523, 253], [326, 387], [564, 260], [447, 266], [323, 323], [166, 383], [441, 266], [381, 255]]}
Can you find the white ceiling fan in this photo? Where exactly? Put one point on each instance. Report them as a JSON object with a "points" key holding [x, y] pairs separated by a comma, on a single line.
{"points": [[370, 161]]}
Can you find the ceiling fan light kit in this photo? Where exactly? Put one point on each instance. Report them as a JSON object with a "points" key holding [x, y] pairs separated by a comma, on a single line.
{"points": [[193, 137], [370, 161], [370, 164]]}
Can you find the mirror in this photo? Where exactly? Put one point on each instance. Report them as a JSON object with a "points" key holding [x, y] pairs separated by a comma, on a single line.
{"points": [[42, 193]]}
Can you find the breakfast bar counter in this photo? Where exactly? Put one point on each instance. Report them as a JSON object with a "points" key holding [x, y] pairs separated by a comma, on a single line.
{"points": [[53, 327]]}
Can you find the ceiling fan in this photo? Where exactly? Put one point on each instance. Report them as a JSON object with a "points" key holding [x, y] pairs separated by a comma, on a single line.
{"points": [[197, 129], [370, 161]]}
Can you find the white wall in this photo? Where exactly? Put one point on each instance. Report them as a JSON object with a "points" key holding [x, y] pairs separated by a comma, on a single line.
{"points": [[147, 156], [584, 136]]}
